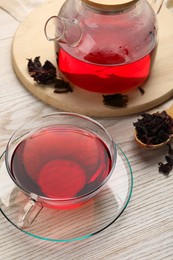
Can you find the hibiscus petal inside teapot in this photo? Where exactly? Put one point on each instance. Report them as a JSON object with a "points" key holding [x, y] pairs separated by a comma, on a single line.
{"points": [[105, 46]]}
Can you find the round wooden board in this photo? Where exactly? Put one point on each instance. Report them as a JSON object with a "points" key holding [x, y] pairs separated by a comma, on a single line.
{"points": [[29, 42]]}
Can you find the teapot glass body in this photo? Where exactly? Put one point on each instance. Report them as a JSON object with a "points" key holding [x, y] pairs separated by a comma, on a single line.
{"points": [[114, 49]]}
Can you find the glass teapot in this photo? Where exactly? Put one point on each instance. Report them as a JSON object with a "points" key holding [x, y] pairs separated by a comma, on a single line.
{"points": [[105, 46]]}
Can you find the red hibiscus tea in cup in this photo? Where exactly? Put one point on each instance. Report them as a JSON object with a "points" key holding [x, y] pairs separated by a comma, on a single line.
{"points": [[61, 162]]}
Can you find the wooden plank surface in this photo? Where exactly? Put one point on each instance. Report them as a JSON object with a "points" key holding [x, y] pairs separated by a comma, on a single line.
{"points": [[157, 89]]}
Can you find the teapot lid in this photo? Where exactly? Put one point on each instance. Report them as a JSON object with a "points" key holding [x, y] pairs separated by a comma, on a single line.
{"points": [[110, 5]]}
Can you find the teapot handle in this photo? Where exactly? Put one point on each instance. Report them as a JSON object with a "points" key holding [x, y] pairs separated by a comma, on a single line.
{"points": [[63, 30], [156, 5]]}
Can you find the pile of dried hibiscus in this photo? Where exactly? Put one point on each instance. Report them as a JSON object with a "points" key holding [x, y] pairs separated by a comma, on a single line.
{"points": [[154, 129]]}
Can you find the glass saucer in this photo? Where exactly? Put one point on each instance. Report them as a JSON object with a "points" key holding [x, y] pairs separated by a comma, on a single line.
{"points": [[73, 224]]}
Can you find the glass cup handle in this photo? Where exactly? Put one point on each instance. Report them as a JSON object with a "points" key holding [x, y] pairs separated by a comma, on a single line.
{"points": [[156, 5], [29, 213]]}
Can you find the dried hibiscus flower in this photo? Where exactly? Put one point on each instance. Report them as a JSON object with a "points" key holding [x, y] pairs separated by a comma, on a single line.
{"points": [[116, 100], [46, 74], [154, 128], [62, 87], [165, 168], [42, 74], [141, 90]]}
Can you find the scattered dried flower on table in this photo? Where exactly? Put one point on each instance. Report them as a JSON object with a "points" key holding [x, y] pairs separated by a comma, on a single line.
{"points": [[116, 100], [141, 90], [166, 168], [46, 74], [62, 87], [42, 74]]}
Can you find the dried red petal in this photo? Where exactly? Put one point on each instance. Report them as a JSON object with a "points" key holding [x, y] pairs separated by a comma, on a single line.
{"points": [[62, 87], [45, 74], [116, 100], [166, 168]]}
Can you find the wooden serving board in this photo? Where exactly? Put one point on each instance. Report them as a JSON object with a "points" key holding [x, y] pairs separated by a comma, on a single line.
{"points": [[29, 42]]}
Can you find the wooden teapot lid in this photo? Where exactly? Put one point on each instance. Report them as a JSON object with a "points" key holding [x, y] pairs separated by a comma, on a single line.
{"points": [[110, 5]]}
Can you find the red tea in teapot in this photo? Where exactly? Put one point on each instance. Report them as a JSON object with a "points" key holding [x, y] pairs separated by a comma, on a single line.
{"points": [[61, 162], [105, 46], [109, 78]]}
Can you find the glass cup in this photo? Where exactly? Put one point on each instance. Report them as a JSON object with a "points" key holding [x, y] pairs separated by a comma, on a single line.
{"points": [[59, 161]]}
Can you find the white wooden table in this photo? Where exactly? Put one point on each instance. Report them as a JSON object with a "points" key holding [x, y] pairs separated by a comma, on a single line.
{"points": [[144, 231]]}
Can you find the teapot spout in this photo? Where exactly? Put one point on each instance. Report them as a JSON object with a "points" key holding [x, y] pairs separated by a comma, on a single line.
{"points": [[63, 30]]}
